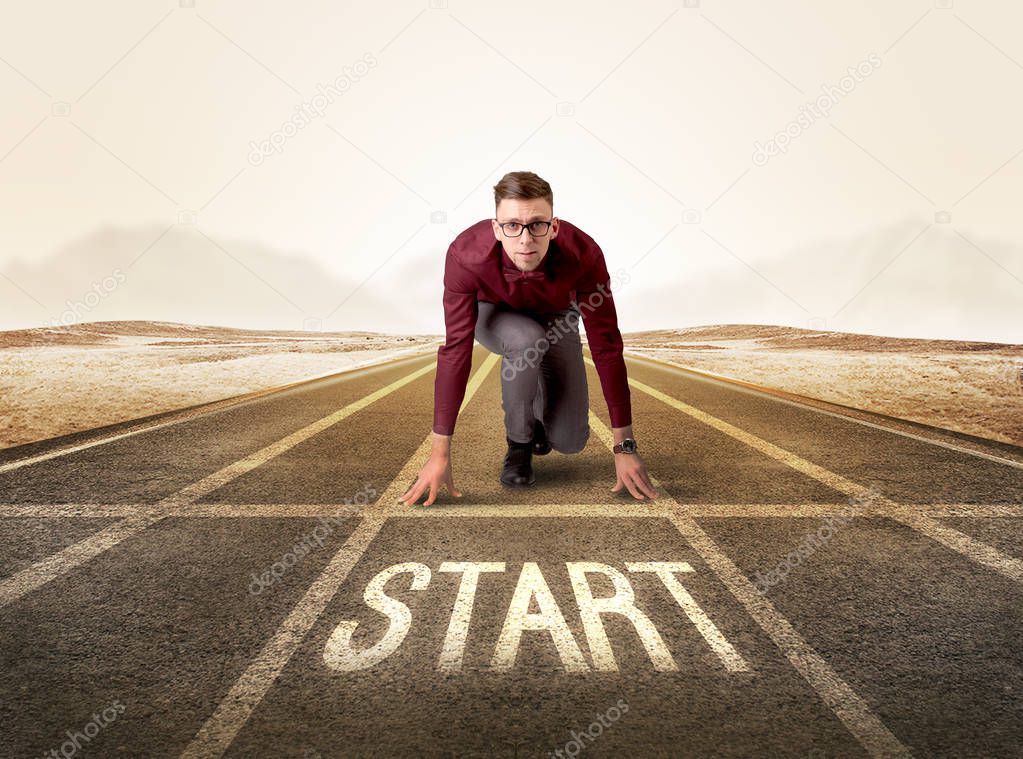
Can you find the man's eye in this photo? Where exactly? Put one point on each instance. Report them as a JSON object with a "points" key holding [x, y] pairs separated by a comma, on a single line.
{"points": [[513, 227]]}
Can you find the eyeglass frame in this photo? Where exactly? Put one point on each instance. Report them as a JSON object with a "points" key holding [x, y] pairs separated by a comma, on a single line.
{"points": [[548, 222]]}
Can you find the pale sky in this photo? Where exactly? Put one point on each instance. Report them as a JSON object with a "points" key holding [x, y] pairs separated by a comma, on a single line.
{"points": [[127, 167]]}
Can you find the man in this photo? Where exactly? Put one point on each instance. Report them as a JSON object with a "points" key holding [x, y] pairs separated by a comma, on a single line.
{"points": [[519, 283]]}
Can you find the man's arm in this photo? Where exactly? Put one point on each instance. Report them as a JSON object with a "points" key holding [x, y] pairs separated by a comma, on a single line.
{"points": [[454, 362], [454, 358], [596, 304]]}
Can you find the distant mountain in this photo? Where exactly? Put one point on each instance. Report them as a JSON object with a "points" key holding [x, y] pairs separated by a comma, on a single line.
{"points": [[947, 283], [940, 286], [137, 274]]}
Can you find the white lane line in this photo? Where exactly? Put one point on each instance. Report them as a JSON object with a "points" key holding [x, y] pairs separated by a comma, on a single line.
{"points": [[847, 705], [962, 544], [852, 710], [771, 392], [217, 733], [620, 509], [184, 416], [42, 572]]}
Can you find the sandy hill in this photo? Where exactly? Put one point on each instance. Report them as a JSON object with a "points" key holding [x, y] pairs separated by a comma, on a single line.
{"points": [[153, 332], [769, 336]]}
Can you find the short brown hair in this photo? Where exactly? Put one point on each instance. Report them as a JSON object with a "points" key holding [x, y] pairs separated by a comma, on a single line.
{"points": [[522, 185]]}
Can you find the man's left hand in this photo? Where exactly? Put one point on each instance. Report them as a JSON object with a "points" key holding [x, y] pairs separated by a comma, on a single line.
{"points": [[631, 472]]}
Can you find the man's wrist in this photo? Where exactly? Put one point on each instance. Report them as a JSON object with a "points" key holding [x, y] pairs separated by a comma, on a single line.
{"points": [[620, 433], [441, 444]]}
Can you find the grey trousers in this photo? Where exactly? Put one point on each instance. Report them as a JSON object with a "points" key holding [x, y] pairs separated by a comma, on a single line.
{"points": [[543, 376]]}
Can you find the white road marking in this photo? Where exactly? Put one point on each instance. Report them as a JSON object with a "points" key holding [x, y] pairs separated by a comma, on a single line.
{"points": [[338, 653], [972, 549], [773, 394], [619, 509], [533, 587], [217, 733], [852, 710], [42, 572], [453, 651], [847, 705], [666, 570], [622, 603], [184, 416]]}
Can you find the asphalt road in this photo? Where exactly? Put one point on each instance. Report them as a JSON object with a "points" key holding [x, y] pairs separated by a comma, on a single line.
{"points": [[243, 583]]}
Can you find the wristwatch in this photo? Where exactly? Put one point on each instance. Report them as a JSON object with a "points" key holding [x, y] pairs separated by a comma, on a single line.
{"points": [[626, 446]]}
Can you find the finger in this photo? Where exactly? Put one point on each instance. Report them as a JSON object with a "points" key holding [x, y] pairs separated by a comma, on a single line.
{"points": [[450, 482], [646, 486], [412, 494], [433, 494], [632, 488], [618, 484]]}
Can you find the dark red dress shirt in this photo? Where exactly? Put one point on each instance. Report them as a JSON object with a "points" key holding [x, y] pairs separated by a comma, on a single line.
{"points": [[572, 273]]}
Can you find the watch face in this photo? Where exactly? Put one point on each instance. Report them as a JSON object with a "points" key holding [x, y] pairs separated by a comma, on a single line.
{"points": [[629, 445]]}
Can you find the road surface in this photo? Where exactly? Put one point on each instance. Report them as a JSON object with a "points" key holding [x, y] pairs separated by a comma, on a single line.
{"points": [[243, 583]]}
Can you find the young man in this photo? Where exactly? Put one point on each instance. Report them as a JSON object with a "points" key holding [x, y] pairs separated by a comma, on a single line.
{"points": [[518, 284]]}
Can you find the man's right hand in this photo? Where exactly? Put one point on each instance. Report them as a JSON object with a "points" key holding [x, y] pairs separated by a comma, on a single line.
{"points": [[436, 471]]}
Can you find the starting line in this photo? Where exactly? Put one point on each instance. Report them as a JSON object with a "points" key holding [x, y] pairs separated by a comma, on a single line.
{"points": [[622, 510]]}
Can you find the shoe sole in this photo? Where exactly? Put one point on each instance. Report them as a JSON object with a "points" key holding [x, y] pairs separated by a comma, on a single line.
{"points": [[532, 481]]}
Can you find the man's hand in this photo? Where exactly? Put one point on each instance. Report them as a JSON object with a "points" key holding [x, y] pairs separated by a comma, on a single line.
{"points": [[632, 474], [436, 471]]}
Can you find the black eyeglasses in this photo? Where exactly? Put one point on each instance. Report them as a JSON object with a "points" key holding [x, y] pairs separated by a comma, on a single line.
{"points": [[536, 228]]}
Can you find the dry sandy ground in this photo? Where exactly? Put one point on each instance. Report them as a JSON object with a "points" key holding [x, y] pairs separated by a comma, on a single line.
{"points": [[55, 381], [970, 387], [66, 379]]}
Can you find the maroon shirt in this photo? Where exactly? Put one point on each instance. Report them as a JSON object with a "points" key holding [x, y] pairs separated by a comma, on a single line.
{"points": [[573, 272]]}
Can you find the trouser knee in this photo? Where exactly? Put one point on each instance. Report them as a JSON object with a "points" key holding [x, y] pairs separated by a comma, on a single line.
{"points": [[573, 443]]}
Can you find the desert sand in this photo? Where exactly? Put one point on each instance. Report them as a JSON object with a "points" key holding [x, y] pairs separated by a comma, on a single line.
{"points": [[59, 380], [970, 387]]}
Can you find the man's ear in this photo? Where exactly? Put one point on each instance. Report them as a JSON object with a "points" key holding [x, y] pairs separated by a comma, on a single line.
{"points": [[497, 229], [554, 227]]}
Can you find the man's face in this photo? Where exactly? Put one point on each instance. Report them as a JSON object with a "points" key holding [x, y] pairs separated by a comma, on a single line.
{"points": [[526, 251]]}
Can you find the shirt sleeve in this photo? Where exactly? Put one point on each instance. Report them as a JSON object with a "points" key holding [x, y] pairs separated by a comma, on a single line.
{"points": [[454, 358], [596, 304]]}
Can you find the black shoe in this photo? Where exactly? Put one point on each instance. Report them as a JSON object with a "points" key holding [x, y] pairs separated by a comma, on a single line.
{"points": [[518, 465], [540, 445]]}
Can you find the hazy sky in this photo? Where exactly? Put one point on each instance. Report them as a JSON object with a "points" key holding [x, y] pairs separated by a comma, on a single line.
{"points": [[131, 164]]}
